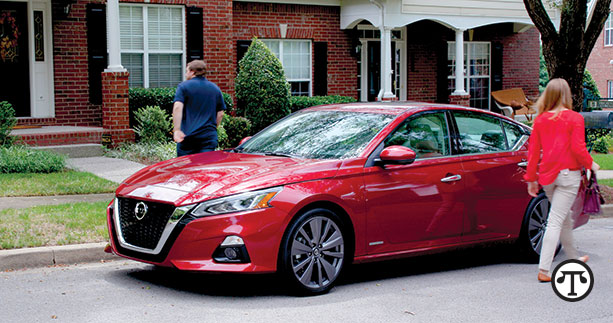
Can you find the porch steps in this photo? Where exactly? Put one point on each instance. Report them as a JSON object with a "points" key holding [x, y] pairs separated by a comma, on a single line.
{"points": [[75, 150], [58, 135]]}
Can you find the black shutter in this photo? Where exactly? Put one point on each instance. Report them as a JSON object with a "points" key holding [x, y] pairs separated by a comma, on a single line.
{"points": [[96, 49], [241, 48], [195, 44], [496, 72], [320, 68]]}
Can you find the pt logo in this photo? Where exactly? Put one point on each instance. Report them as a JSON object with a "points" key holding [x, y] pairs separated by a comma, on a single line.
{"points": [[572, 280]]}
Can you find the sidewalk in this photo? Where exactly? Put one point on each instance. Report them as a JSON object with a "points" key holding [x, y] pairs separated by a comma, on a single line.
{"points": [[112, 169]]}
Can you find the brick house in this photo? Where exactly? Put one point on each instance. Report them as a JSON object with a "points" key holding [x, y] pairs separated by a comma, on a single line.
{"points": [[70, 70], [600, 63]]}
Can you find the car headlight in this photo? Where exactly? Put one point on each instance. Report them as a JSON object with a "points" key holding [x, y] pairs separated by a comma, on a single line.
{"points": [[236, 203]]}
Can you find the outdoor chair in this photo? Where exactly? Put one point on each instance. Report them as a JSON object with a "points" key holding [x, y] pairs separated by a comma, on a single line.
{"points": [[513, 102]]}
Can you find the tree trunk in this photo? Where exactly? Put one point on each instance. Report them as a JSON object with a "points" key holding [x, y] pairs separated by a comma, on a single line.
{"points": [[567, 49]]}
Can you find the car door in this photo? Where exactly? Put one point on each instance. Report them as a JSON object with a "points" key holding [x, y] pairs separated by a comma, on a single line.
{"points": [[416, 205], [493, 160]]}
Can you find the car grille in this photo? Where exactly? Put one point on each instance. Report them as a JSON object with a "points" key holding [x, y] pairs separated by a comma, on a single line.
{"points": [[144, 233]]}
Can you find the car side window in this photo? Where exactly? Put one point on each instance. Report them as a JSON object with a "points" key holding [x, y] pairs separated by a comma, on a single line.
{"points": [[480, 133], [513, 133], [426, 134]]}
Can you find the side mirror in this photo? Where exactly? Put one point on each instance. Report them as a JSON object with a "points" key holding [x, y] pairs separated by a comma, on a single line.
{"points": [[244, 140], [397, 155]]}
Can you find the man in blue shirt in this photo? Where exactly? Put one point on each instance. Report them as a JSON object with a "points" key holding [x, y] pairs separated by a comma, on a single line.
{"points": [[197, 112]]}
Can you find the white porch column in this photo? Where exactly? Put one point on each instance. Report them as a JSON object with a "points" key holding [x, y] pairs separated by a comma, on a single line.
{"points": [[112, 26], [386, 92], [459, 63]]}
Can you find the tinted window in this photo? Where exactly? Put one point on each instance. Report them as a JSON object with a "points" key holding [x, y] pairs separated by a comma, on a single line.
{"points": [[479, 133], [425, 134]]}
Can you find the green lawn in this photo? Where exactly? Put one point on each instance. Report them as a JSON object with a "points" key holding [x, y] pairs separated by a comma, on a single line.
{"points": [[50, 225], [61, 183], [604, 160]]}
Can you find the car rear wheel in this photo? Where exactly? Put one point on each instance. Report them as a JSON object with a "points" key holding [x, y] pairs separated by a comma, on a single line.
{"points": [[313, 251], [533, 228]]}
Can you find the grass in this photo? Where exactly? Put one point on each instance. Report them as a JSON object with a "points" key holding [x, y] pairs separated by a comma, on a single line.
{"points": [[144, 153], [604, 160], [61, 183], [53, 225]]}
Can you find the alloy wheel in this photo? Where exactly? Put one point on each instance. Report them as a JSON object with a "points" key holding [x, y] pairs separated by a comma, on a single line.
{"points": [[537, 224], [317, 252]]}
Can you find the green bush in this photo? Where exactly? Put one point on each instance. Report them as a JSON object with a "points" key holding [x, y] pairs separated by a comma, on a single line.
{"points": [[590, 90], [7, 122], [153, 125], [301, 102], [20, 159], [236, 129], [602, 145], [262, 90], [596, 139]]}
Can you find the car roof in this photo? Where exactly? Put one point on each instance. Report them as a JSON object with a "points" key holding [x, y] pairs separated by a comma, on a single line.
{"points": [[393, 107]]}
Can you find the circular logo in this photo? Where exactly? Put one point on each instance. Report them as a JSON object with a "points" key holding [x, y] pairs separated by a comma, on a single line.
{"points": [[572, 280], [140, 210]]}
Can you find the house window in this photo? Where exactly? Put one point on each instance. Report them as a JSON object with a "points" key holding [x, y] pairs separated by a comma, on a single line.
{"points": [[152, 42], [476, 74], [609, 89], [608, 31], [295, 55]]}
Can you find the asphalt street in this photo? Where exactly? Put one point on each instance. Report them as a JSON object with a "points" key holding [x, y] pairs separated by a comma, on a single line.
{"points": [[472, 285]]}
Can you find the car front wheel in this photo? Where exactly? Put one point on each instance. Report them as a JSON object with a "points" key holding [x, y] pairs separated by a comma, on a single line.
{"points": [[533, 228], [313, 251]]}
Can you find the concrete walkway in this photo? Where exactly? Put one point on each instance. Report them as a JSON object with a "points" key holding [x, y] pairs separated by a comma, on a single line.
{"points": [[113, 169]]}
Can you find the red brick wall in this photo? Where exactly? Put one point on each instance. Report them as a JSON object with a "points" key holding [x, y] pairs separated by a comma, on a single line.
{"points": [[599, 63], [317, 23], [520, 57], [70, 65]]}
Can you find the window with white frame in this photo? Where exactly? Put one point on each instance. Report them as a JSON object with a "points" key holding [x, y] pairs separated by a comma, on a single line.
{"points": [[608, 31], [477, 72], [609, 89], [295, 56], [152, 44]]}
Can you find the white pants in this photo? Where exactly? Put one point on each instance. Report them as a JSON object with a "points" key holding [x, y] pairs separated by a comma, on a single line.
{"points": [[561, 194]]}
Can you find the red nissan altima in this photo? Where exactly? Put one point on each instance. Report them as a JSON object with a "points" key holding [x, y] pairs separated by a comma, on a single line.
{"points": [[331, 185]]}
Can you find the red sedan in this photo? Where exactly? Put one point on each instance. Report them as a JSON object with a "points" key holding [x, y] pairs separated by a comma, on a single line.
{"points": [[331, 185]]}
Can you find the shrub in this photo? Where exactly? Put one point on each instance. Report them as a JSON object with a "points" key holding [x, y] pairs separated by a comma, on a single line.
{"points": [[262, 90], [301, 102], [590, 90], [236, 129], [222, 137], [601, 145], [154, 124], [20, 159], [595, 137], [7, 122]]}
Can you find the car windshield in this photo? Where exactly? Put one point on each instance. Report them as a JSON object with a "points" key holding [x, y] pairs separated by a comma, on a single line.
{"points": [[319, 134]]}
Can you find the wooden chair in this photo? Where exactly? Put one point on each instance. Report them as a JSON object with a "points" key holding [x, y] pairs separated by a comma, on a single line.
{"points": [[513, 102]]}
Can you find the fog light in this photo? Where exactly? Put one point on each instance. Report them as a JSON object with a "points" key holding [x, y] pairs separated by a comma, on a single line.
{"points": [[231, 253]]}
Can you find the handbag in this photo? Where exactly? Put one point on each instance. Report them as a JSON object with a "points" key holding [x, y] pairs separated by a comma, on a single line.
{"points": [[579, 217], [593, 197]]}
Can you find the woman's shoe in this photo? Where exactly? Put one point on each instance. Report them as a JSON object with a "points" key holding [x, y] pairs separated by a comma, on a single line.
{"points": [[543, 278], [584, 258]]}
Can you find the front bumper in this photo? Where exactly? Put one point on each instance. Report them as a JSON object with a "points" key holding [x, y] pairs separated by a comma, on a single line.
{"points": [[191, 243]]}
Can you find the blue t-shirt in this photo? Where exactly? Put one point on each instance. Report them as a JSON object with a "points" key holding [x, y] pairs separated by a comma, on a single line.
{"points": [[202, 100]]}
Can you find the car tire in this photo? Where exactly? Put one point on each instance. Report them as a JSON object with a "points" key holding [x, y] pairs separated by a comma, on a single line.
{"points": [[533, 228], [313, 252]]}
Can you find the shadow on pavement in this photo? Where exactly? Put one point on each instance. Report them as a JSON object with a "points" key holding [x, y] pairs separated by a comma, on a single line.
{"points": [[255, 285]]}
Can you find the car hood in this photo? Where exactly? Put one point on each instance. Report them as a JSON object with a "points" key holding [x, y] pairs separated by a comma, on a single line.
{"points": [[195, 178]]}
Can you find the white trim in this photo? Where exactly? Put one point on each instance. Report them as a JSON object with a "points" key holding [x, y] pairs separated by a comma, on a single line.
{"points": [[281, 54], [468, 76], [608, 25]]}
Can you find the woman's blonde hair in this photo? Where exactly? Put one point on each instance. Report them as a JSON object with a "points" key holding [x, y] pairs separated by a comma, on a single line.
{"points": [[556, 94]]}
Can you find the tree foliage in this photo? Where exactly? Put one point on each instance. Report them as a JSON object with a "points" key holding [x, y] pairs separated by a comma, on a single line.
{"points": [[262, 91], [567, 49]]}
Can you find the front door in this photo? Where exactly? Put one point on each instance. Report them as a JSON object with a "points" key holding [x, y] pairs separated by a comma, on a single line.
{"points": [[14, 59]]}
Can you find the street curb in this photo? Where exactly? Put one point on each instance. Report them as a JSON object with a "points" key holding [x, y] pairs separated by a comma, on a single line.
{"points": [[56, 255]]}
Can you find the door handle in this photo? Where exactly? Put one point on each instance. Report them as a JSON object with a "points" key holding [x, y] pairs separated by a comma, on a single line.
{"points": [[523, 164], [451, 178]]}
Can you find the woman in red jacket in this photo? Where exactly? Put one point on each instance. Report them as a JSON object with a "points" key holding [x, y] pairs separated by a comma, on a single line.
{"points": [[557, 150]]}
